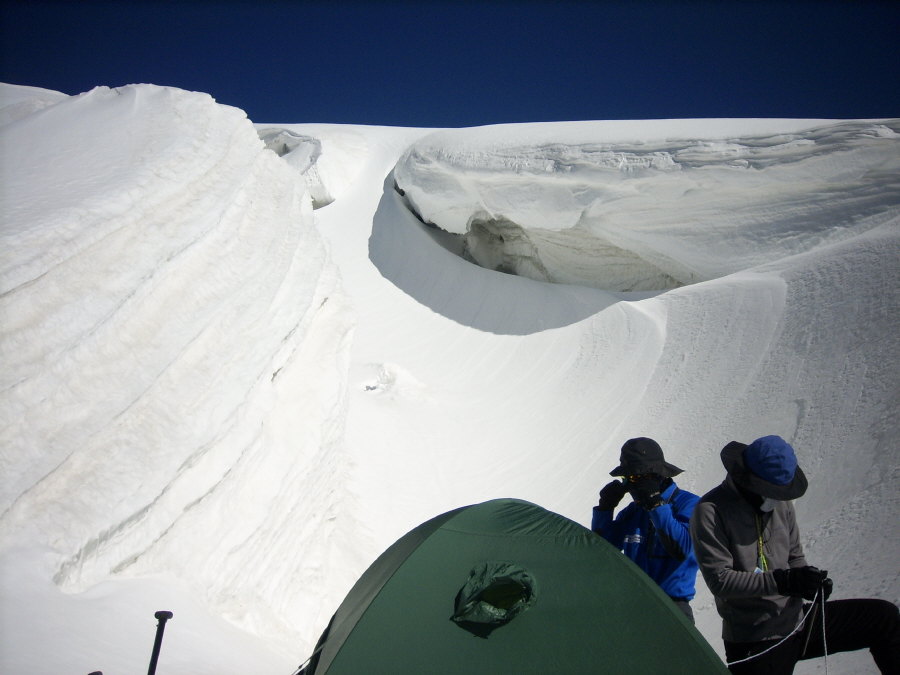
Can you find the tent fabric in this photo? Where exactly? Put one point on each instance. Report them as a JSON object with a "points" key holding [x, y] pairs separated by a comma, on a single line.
{"points": [[493, 595], [586, 608]]}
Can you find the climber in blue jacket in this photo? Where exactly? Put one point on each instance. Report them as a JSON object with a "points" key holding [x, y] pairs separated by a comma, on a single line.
{"points": [[654, 530]]}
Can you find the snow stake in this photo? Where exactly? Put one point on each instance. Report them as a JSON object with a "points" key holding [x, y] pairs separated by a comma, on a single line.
{"points": [[162, 616]]}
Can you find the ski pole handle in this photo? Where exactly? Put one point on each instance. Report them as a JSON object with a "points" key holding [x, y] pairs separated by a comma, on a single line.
{"points": [[162, 616]]}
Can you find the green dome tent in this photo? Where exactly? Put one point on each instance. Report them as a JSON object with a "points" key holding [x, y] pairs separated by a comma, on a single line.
{"points": [[507, 587]]}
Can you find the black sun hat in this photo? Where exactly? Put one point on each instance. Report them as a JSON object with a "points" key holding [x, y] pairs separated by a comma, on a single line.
{"points": [[643, 455], [767, 467]]}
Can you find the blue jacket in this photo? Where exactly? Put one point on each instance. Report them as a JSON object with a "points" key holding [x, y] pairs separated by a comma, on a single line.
{"points": [[659, 541]]}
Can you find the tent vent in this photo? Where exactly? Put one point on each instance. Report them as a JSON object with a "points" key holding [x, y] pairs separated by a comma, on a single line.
{"points": [[493, 595]]}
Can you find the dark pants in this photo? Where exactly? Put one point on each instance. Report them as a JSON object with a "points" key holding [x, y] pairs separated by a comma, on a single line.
{"points": [[685, 607], [849, 625]]}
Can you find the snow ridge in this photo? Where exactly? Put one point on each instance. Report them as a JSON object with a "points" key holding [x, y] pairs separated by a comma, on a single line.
{"points": [[610, 214], [163, 310]]}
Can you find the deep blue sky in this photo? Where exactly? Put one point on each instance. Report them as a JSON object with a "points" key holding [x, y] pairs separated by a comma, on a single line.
{"points": [[436, 64]]}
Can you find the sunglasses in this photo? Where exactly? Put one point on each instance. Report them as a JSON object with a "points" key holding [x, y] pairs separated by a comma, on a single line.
{"points": [[638, 477]]}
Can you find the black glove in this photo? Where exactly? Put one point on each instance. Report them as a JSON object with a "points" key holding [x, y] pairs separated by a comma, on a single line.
{"points": [[646, 493], [611, 495], [802, 582]]}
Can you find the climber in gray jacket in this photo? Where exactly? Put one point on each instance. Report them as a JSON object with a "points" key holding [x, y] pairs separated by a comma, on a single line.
{"points": [[748, 547]]}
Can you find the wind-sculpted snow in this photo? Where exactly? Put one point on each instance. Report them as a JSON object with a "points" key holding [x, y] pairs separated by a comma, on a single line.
{"points": [[591, 206], [173, 343], [217, 400], [17, 102], [328, 163]]}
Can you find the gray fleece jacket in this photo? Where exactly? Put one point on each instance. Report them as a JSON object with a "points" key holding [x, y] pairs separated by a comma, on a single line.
{"points": [[724, 532]]}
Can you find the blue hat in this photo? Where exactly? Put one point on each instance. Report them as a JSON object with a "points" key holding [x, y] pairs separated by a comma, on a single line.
{"points": [[767, 467], [772, 459]]}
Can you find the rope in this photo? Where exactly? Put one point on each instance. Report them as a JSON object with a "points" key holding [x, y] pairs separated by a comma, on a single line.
{"points": [[793, 632], [824, 644], [305, 663], [761, 560]]}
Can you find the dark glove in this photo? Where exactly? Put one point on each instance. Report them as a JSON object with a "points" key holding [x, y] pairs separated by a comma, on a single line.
{"points": [[611, 495], [827, 587], [646, 493], [802, 582]]}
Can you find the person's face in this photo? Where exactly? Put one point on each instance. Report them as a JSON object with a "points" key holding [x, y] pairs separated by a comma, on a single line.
{"points": [[641, 482]]}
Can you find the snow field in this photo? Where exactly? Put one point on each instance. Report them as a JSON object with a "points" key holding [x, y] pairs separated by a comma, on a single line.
{"points": [[233, 375]]}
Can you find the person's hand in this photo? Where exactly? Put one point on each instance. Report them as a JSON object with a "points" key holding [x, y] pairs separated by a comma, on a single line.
{"points": [[646, 493], [647, 501], [611, 495], [803, 582]]}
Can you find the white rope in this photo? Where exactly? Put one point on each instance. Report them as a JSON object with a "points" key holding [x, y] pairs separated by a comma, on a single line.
{"points": [[305, 663], [824, 644], [782, 640]]}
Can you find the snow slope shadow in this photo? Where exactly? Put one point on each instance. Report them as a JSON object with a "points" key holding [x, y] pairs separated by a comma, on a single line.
{"points": [[412, 257]]}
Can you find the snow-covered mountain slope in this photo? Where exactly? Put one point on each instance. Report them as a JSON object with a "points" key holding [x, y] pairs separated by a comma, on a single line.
{"points": [[220, 401], [174, 349]]}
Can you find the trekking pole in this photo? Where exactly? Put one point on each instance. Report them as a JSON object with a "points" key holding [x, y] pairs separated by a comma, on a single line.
{"points": [[163, 616]]}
